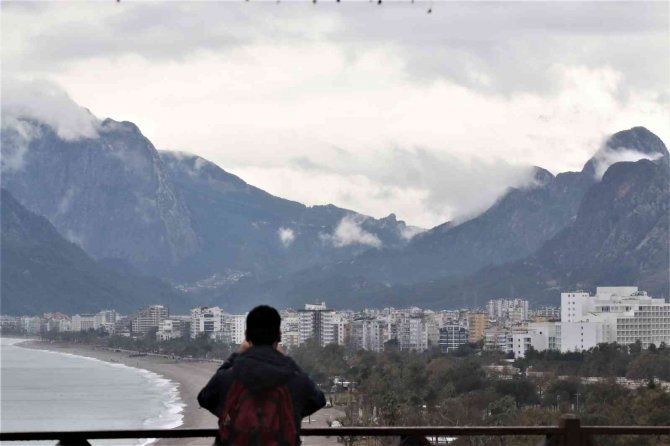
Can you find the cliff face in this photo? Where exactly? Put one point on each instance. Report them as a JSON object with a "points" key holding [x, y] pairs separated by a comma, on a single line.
{"points": [[516, 226], [108, 194], [621, 233], [245, 229], [620, 237], [586, 232], [183, 218], [41, 271], [173, 215]]}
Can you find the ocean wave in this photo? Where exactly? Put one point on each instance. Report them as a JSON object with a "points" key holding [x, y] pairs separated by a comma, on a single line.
{"points": [[170, 408]]}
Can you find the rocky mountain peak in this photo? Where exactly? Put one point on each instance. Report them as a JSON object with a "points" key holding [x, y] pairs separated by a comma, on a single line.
{"points": [[542, 176], [639, 139], [627, 145]]}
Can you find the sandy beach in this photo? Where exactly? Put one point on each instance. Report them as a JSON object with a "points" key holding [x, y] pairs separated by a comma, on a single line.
{"points": [[190, 376]]}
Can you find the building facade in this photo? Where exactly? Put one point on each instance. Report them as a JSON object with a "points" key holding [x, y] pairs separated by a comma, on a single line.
{"points": [[477, 323], [149, 318], [452, 337], [615, 314]]}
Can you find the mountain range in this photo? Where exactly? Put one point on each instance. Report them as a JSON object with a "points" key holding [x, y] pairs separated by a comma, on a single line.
{"points": [[42, 271], [132, 213]]}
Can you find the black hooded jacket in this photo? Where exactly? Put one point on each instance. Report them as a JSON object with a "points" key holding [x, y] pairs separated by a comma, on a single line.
{"points": [[260, 368]]}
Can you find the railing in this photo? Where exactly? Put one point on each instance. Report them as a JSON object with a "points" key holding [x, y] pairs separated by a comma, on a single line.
{"points": [[570, 432]]}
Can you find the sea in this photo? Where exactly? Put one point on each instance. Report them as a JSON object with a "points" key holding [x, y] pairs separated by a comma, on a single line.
{"points": [[42, 390]]}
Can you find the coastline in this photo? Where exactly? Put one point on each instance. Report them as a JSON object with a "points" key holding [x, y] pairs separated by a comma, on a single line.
{"points": [[189, 377]]}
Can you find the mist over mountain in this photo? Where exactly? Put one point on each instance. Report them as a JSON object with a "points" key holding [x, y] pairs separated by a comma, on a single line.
{"points": [[245, 229], [173, 215], [41, 271], [219, 240], [514, 227], [108, 192], [620, 236]]}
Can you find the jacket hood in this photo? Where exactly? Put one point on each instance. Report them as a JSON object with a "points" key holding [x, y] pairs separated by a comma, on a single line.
{"points": [[262, 367]]}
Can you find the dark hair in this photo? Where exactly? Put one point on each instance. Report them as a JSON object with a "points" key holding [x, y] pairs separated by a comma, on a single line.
{"points": [[263, 323]]}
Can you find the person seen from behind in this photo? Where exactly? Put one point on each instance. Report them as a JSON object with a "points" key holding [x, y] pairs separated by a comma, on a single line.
{"points": [[259, 394]]}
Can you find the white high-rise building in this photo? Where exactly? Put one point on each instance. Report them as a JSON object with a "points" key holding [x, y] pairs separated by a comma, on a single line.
{"points": [[290, 325], [369, 334], [615, 314], [83, 322], [234, 326], [149, 317], [411, 334], [169, 329], [317, 322], [513, 310], [206, 320], [106, 319]]}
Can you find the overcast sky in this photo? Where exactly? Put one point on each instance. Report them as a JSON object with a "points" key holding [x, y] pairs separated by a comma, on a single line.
{"points": [[377, 108]]}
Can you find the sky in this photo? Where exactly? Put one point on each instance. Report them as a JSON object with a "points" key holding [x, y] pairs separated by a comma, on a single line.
{"points": [[376, 108]]}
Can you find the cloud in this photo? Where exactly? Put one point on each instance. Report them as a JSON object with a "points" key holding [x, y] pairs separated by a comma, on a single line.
{"points": [[15, 139], [350, 232], [376, 108], [425, 187], [46, 102], [65, 202], [605, 158], [286, 236], [475, 44], [408, 232]]}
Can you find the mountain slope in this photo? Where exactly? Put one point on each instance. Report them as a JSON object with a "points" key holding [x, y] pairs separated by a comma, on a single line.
{"points": [[516, 226], [171, 215], [109, 194], [41, 271], [620, 237], [246, 229]]}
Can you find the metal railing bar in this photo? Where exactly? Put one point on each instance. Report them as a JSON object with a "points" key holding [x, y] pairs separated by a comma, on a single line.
{"points": [[344, 431], [626, 430], [431, 430]]}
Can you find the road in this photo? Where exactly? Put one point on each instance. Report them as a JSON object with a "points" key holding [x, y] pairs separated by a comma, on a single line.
{"points": [[321, 419]]}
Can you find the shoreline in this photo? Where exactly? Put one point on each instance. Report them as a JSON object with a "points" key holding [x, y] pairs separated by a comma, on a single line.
{"points": [[189, 377]]}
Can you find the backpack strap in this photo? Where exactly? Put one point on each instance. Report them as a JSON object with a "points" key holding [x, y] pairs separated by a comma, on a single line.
{"points": [[236, 394]]}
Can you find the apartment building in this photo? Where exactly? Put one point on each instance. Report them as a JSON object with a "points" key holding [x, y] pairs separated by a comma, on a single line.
{"points": [[512, 310], [148, 318], [83, 322], [452, 336], [615, 314], [369, 334], [170, 329], [317, 322], [411, 333], [477, 323], [206, 320]]}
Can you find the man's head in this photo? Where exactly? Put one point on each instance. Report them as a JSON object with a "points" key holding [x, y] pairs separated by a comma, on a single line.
{"points": [[263, 324]]}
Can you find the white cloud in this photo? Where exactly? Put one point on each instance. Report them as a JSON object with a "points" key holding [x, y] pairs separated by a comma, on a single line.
{"points": [[46, 102], [286, 236], [408, 232], [65, 201], [387, 109], [605, 158], [349, 232], [16, 137]]}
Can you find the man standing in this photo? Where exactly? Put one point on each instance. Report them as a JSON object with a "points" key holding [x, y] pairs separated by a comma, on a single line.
{"points": [[259, 394]]}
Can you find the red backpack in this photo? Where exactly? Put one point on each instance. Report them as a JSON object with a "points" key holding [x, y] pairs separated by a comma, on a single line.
{"points": [[264, 419]]}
